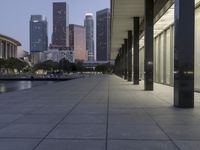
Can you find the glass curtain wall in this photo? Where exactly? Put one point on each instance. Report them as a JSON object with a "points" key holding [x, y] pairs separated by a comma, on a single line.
{"points": [[161, 38], [156, 60], [141, 63], [197, 50], [164, 55]]}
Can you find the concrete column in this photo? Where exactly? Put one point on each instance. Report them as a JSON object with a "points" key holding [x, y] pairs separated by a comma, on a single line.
{"points": [[126, 59], [184, 54], [121, 62], [6, 50], [130, 45], [12, 50], [15, 51], [148, 43], [136, 51], [1, 49], [117, 65]]}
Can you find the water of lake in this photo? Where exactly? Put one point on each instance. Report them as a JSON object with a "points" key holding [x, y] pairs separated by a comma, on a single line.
{"points": [[9, 86]]}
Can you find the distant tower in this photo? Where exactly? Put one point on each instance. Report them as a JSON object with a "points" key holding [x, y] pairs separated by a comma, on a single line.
{"points": [[59, 37], [38, 33], [67, 25], [77, 41], [89, 25], [103, 35]]}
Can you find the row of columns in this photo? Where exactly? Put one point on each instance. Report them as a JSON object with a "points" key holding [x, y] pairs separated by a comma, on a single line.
{"points": [[183, 52], [7, 49], [129, 49]]}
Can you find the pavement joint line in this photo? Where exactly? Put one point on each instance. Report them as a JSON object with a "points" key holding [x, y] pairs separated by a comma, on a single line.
{"points": [[107, 121], [35, 138], [28, 138], [84, 123], [84, 139], [116, 139], [68, 113], [172, 141]]}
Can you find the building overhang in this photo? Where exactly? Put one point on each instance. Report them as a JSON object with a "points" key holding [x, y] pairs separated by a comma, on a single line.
{"points": [[123, 12]]}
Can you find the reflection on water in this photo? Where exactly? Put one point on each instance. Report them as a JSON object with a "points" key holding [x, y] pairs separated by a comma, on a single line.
{"points": [[8, 86]]}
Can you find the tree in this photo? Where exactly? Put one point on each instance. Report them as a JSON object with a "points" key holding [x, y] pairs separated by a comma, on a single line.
{"points": [[105, 68], [64, 65], [14, 63], [101, 68], [48, 65], [2, 63]]}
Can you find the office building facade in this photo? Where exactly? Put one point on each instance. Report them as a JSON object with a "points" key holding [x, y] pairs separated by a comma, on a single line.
{"points": [[89, 26], [103, 35], [38, 33], [59, 37], [77, 41]]}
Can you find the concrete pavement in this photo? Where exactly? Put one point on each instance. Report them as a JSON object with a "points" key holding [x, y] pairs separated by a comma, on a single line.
{"points": [[97, 113]]}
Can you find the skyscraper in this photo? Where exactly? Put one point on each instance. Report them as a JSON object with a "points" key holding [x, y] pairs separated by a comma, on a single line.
{"points": [[89, 25], [38, 33], [77, 41], [67, 25], [59, 37], [103, 34]]}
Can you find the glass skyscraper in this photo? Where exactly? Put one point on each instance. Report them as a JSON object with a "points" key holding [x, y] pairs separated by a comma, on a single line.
{"points": [[89, 25], [38, 33], [103, 35], [60, 24]]}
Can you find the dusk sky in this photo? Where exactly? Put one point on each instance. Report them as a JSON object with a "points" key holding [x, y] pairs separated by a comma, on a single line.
{"points": [[15, 15]]}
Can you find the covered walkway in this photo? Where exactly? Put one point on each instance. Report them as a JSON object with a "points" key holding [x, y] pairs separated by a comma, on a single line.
{"points": [[154, 40], [97, 113]]}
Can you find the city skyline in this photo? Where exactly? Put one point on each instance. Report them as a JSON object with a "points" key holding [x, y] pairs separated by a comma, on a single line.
{"points": [[18, 28]]}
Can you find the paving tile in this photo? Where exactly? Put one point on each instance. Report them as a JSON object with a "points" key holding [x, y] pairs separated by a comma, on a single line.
{"points": [[182, 132], [126, 111], [90, 110], [131, 119], [89, 118], [52, 144], [40, 119], [188, 145], [177, 120], [140, 145], [172, 111], [93, 131], [121, 131], [21, 110], [53, 110], [8, 118], [17, 144], [25, 130]]}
